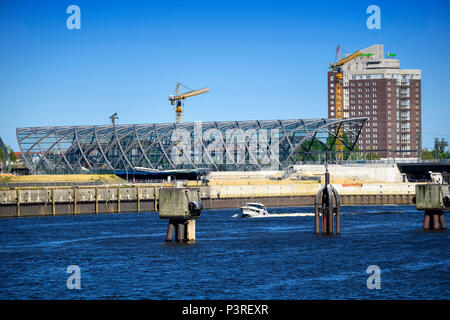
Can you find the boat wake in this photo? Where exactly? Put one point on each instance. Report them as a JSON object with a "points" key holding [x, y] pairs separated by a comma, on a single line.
{"points": [[278, 215]]}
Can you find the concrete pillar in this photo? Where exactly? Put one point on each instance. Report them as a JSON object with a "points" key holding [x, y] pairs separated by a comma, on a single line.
{"points": [[170, 230], [435, 221], [442, 221], [426, 220], [190, 230], [181, 231]]}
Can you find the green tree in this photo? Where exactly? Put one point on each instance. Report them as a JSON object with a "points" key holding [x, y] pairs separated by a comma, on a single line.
{"points": [[372, 155], [440, 150], [427, 154], [12, 155]]}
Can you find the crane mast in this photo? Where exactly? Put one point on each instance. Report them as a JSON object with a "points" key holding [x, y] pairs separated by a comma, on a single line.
{"points": [[179, 97], [337, 67]]}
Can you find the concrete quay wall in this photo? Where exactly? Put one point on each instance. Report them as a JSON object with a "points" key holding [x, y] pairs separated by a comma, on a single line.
{"points": [[41, 201], [20, 202], [299, 189]]}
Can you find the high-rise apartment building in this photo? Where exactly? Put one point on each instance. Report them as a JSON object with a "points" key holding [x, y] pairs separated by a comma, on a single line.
{"points": [[375, 87]]}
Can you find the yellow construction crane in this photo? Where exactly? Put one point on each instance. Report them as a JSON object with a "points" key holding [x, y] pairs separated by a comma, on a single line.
{"points": [[339, 91], [179, 97]]}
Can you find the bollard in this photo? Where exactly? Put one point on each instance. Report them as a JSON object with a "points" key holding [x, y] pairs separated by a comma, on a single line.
{"points": [[327, 204]]}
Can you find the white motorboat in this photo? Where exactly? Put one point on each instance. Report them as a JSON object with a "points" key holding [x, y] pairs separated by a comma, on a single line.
{"points": [[252, 210]]}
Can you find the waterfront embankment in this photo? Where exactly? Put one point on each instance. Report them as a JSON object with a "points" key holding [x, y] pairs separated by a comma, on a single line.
{"points": [[356, 185]]}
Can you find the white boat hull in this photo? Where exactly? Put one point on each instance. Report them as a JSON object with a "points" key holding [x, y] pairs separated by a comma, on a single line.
{"points": [[250, 212]]}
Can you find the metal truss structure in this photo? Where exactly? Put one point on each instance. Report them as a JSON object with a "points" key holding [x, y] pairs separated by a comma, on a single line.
{"points": [[127, 147]]}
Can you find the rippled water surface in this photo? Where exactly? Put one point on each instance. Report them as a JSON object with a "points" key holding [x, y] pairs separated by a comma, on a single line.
{"points": [[124, 256]]}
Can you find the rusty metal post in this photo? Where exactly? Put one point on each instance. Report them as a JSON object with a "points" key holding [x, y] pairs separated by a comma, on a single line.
{"points": [[324, 222], [338, 210], [330, 226], [316, 210], [324, 211], [316, 220]]}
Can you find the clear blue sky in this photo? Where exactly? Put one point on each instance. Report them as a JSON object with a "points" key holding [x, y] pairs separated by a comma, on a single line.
{"points": [[261, 59]]}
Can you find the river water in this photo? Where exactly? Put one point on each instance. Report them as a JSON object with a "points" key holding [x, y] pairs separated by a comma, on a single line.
{"points": [[124, 256]]}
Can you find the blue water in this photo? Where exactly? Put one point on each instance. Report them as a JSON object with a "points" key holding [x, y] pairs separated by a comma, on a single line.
{"points": [[124, 256]]}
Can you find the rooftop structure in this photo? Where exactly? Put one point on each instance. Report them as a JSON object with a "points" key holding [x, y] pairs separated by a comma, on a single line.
{"points": [[218, 146]]}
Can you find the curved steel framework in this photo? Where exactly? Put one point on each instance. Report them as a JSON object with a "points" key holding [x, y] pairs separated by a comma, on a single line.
{"points": [[113, 147]]}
